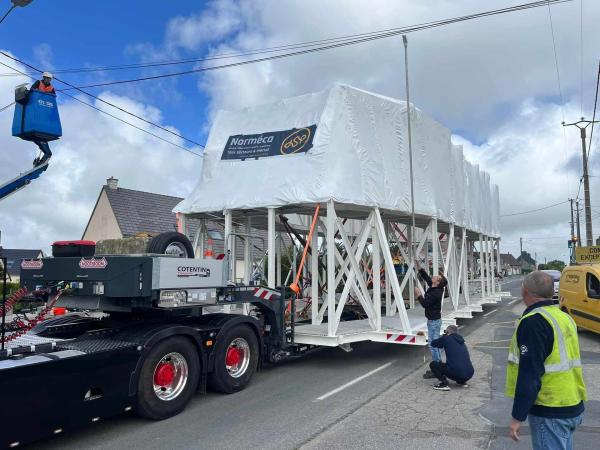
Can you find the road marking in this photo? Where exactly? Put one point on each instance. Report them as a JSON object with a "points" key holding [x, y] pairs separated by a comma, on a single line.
{"points": [[514, 301], [356, 380], [460, 326], [488, 313]]}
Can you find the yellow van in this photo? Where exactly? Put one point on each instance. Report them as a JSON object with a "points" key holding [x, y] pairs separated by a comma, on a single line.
{"points": [[579, 295]]}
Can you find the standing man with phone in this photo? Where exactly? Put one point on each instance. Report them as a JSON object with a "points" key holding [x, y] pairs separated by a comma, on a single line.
{"points": [[432, 302]]}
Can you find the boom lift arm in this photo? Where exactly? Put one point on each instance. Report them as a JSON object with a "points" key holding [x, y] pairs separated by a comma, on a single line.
{"points": [[35, 119]]}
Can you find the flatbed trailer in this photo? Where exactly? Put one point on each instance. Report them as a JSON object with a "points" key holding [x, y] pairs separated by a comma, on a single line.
{"points": [[157, 337]]}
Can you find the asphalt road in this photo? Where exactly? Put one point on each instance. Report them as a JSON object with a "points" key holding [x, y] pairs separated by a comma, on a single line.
{"points": [[279, 409]]}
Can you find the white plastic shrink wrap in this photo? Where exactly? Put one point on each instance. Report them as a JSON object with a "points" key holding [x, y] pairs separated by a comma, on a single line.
{"points": [[359, 156]]}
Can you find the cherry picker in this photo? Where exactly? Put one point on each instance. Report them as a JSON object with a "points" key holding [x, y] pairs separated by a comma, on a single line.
{"points": [[35, 119]]}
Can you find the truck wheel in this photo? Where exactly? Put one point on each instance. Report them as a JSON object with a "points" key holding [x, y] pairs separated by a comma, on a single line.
{"points": [[168, 379], [171, 243], [236, 359]]}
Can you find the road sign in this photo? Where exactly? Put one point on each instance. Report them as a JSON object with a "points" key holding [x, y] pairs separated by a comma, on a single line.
{"points": [[587, 254]]}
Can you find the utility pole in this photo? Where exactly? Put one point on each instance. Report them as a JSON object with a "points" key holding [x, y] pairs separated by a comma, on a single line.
{"points": [[578, 224], [572, 247], [572, 220], [582, 125]]}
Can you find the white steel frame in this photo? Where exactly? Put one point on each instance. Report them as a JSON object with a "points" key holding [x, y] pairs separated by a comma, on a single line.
{"points": [[365, 258]]}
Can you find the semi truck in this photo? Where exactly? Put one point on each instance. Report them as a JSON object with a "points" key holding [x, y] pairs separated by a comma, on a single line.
{"points": [[144, 333]]}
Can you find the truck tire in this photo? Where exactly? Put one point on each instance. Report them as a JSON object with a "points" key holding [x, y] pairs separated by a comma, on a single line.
{"points": [[236, 359], [168, 378], [171, 243]]}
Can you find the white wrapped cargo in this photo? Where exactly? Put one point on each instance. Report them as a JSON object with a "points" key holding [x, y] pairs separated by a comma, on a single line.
{"points": [[350, 146]]}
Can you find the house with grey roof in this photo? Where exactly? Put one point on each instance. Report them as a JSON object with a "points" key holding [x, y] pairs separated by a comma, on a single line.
{"points": [[509, 264], [123, 213], [14, 256]]}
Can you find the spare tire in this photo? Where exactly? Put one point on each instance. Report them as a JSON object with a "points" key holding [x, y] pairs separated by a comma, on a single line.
{"points": [[171, 243]]}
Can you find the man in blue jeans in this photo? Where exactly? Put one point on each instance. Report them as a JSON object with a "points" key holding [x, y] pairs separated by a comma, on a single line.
{"points": [[432, 302], [544, 373]]}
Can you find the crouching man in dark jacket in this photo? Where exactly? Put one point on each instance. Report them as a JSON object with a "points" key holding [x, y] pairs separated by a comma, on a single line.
{"points": [[458, 365]]}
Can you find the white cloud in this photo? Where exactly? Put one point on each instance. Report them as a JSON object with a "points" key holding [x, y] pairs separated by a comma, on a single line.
{"points": [[528, 157], [216, 22], [44, 55], [93, 148]]}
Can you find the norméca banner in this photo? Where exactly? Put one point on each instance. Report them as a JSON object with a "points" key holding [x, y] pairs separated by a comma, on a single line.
{"points": [[273, 143], [587, 254]]}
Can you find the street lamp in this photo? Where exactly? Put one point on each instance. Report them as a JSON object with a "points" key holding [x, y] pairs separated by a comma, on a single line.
{"points": [[15, 3]]}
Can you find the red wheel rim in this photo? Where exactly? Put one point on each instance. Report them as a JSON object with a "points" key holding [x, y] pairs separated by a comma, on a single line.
{"points": [[164, 374]]}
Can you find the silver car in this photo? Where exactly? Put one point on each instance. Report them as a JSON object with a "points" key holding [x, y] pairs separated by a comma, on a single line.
{"points": [[555, 274]]}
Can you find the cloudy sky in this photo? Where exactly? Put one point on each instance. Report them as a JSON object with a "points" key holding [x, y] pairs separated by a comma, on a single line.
{"points": [[492, 81]]}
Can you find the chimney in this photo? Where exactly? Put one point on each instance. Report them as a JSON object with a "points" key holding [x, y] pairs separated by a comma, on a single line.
{"points": [[112, 182]]}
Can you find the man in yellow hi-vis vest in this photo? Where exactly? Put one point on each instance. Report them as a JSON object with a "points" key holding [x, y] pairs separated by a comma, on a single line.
{"points": [[544, 369]]}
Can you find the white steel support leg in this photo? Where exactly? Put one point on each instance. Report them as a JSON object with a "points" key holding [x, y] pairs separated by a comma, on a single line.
{"points": [[331, 285], [227, 242], [314, 275], [247, 260], [471, 261], [247, 252], [482, 266], [485, 266], [271, 248], [490, 252], [388, 274], [461, 259], [435, 247], [227, 245], [466, 291], [447, 269], [376, 278], [278, 248], [492, 267], [498, 261]]}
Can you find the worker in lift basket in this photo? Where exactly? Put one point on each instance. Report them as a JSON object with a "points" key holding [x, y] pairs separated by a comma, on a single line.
{"points": [[458, 366], [43, 85], [432, 302]]}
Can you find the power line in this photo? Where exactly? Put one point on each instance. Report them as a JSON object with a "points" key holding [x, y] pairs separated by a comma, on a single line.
{"points": [[282, 47], [361, 39], [562, 109], [542, 237], [556, 63], [535, 210], [108, 114], [594, 115], [7, 106], [103, 101]]}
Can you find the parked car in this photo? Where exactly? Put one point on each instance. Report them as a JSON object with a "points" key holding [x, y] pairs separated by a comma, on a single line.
{"points": [[580, 295], [555, 274]]}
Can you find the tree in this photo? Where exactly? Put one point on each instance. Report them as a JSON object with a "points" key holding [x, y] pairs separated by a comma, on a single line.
{"points": [[555, 264]]}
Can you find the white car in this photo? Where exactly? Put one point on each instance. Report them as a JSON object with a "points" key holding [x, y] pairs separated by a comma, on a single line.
{"points": [[555, 274]]}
